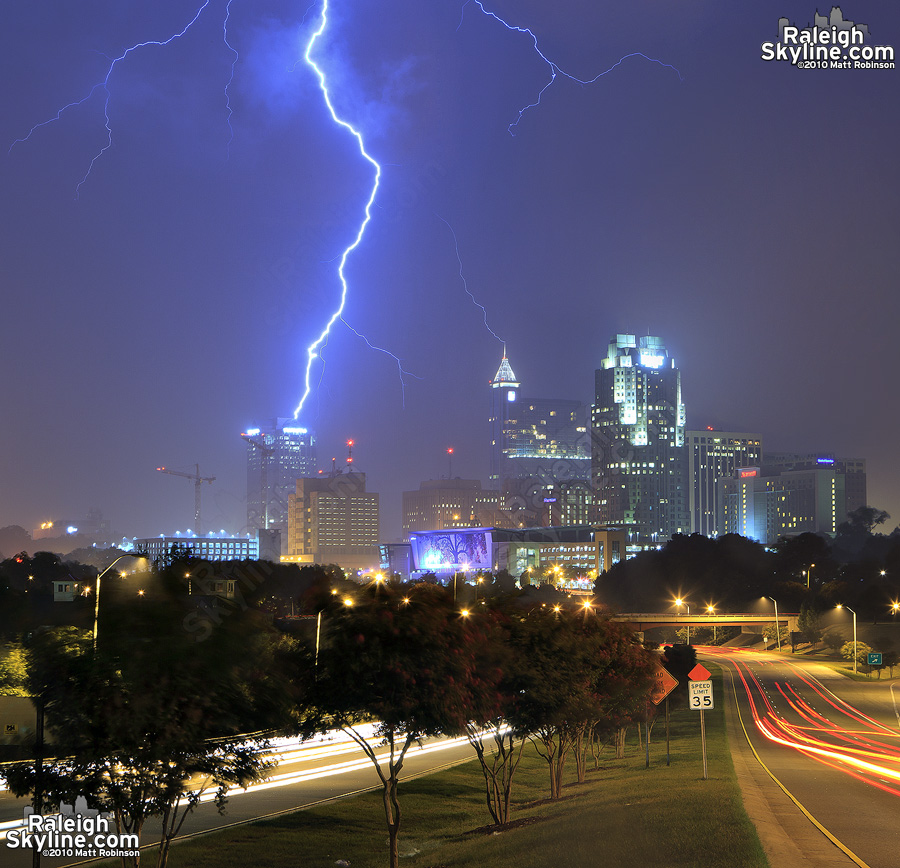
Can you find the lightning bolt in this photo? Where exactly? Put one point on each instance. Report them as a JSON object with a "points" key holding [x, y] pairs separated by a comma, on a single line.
{"points": [[462, 277], [313, 352], [555, 69], [228, 110], [104, 86]]}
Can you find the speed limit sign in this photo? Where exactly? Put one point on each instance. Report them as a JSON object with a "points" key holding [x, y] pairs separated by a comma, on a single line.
{"points": [[700, 695]]}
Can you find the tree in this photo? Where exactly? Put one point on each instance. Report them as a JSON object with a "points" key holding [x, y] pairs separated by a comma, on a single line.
{"points": [[13, 670], [854, 535], [808, 624], [496, 743], [552, 689], [861, 650], [581, 672], [890, 658], [151, 708], [679, 660], [404, 658], [833, 638]]}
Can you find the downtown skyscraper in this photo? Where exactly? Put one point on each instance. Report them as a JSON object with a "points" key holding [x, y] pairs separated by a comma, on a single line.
{"points": [[638, 458], [279, 452], [540, 454]]}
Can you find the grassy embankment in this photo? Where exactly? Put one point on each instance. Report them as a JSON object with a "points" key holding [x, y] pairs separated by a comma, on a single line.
{"points": [[624, 816]]}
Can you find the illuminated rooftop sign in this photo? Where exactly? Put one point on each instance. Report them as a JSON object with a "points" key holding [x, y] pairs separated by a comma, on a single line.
{"points": [[649, 361]]}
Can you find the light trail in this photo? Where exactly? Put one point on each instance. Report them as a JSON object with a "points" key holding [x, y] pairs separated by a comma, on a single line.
{"points": [[861, 753], [331, 745]]}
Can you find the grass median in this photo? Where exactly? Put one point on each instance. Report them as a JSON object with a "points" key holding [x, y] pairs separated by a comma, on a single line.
{"points": [[624, 815]]}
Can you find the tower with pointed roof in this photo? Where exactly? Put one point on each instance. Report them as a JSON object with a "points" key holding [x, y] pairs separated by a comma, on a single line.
{"points": [[504, 391]]}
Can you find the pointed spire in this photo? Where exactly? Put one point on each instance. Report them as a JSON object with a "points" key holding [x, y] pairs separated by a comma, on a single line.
{"points": [[505, 375]]}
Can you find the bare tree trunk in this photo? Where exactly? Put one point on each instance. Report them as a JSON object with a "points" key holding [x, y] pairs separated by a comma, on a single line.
{"points": [[581, 734], [389, 783], [548, 738], [620, 743], [499, 770], [392, 815]]}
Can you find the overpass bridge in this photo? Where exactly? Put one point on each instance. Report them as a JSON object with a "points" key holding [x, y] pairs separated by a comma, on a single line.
{"points": [[648, 620]]}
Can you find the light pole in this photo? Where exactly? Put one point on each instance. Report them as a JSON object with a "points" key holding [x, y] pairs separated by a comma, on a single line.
{"points": [[808, 571], [679, 602], [97, 592], [854, 632], [777, 628], [712, 611]]}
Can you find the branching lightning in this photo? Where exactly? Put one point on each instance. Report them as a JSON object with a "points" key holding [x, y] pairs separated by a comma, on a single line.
{"points": [[228, 110], [312, 352], [104, 86], [462, 277], [555, 69]]}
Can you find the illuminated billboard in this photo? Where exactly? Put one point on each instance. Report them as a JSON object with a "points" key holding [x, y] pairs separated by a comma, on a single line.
{"points": [[441, 550]]}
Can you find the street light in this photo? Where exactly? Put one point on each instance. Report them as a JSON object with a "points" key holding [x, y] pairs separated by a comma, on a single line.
{"points": [[839, 606], [97, 592], [808, 570], [777, 628], [712, 611], [679, 602]]}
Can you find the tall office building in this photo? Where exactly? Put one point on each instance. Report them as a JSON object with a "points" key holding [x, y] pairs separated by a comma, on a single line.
{"points": [[279, 453], [537, 444], [767, 504], [714, 455], [853, 469], [638, 460], [504, 395], [334, 520]]}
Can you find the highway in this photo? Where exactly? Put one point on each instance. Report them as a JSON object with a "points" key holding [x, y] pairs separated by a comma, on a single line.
{"points": [[322, 769], [834, 744]]}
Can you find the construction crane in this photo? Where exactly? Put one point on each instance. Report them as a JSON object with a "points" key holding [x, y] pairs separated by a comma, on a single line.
{"points": [[198, 480], [266, 450]]}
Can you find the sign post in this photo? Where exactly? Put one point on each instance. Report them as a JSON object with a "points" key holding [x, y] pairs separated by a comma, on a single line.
{"points": [[663, 685], [700, 698]]}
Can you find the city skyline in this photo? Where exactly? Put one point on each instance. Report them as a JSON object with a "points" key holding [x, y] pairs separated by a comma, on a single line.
{"points": [[169, 307]]}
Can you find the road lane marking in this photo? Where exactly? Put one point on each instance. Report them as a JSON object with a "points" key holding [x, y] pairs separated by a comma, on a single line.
{"points": [[785, 790]]}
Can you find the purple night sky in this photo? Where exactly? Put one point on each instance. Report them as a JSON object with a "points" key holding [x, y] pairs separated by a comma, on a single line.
{"points": [[747, 213]]}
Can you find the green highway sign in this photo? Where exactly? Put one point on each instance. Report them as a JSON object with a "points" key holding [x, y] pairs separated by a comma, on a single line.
{"points": [[874, 658]]}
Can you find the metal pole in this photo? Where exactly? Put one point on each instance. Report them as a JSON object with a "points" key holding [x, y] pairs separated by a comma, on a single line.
{"points": [[97, 609], [777, 629], [703, 742], [647, 737], [38, 802], [668, 756], [318, 633], [97, 595]]}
